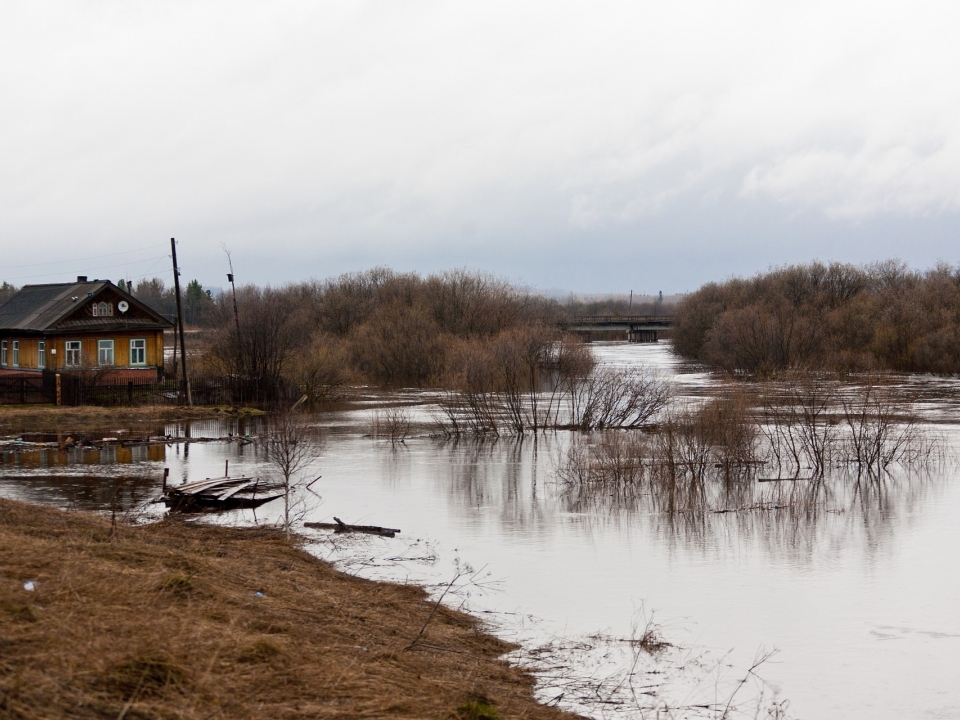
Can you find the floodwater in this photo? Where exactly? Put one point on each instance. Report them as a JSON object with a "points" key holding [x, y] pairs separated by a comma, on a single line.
{"points": [[861, 601]]}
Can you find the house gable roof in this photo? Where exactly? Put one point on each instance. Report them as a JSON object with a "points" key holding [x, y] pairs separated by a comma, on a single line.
{"points": [[65, 307]]}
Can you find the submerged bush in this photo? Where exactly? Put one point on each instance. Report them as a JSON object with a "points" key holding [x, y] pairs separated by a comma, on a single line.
{"points": [[620, 398], [788, 447], [527, 380]]}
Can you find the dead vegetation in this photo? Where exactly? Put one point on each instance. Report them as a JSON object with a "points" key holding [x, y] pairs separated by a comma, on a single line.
{"points": [[805, 442], [187, 621], [391, 423], [528, 381]]}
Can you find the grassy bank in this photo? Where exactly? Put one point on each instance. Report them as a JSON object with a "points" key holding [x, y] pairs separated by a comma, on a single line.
{"points": [[164, 621], [35, 418]]}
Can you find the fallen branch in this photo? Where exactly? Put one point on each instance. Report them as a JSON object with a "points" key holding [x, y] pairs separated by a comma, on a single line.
{"points": [[341, 527]]}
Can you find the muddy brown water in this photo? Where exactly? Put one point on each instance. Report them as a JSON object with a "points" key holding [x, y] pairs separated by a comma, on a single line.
{"points": [[860, 598]]}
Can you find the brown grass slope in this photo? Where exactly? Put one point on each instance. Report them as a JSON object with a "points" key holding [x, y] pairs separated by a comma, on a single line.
{"points": [[163, 621]]}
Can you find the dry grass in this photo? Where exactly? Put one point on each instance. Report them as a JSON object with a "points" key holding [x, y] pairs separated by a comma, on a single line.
{"points": [[21, 418], [164, 621]]}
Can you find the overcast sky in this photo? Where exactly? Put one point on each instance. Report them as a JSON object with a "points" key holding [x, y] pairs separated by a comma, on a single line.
{"points": [[596, 146]]}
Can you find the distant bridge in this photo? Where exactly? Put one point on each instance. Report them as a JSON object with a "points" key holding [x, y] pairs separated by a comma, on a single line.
{"points": [[637, 328]]}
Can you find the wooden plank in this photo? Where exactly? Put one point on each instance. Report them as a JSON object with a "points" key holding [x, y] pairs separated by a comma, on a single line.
{"points": [[201, 485], [233, 491]]}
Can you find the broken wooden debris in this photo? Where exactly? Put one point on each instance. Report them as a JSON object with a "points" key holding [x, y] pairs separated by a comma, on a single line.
{"points": [[341, 527], [214, 494]]}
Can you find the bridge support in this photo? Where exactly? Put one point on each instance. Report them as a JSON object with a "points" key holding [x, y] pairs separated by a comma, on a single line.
{"points": [[642, 336], [634, 328]]}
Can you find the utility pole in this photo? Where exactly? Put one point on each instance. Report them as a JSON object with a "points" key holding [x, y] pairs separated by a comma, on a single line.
{"points": [[183, 348], [236, 314]]}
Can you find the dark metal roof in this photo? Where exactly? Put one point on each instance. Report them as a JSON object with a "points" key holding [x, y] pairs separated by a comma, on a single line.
{"points": [[41, 308]]}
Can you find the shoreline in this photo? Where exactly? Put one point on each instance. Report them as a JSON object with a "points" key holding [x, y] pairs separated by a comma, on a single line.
{"points": [[179, 619], [38, 418]]}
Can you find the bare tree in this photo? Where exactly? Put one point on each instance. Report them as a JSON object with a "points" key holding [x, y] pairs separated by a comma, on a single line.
{"points": [[290, 446]]}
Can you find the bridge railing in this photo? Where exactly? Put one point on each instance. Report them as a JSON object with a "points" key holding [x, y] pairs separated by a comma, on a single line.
{"points": [[620, 319]]}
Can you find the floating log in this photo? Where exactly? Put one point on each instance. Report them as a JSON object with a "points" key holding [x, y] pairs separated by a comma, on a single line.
{"points": [[341, 527], [783, 479]]}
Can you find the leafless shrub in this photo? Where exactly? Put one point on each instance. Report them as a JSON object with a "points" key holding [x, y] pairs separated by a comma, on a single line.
{"points": [[798, 423], [616, 398], [290, 446], [512, 384], [392, 424], [880, 435], [272, 327], [687, 444], [619, 460], [471, 403], [718, 435], [709, 458]]}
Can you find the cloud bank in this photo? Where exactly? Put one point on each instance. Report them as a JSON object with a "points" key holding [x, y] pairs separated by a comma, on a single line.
{"points": [[592, 146]]}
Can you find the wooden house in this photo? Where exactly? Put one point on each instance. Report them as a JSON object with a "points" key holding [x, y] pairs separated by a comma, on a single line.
{"points": [[90, 326]]}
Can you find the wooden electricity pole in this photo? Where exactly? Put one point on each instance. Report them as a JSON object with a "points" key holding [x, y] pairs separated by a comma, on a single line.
{"points": [[183, 348], [236, 314]]}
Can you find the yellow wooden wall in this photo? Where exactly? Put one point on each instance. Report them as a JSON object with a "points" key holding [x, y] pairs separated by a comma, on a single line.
{"points": [[57, 360]]}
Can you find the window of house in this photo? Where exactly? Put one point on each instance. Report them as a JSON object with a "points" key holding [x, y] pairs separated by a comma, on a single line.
{"points": [[3, 352], [41, 355], [138, 352], [104, 352], [73, 358], [15, 360], [103, 309]]}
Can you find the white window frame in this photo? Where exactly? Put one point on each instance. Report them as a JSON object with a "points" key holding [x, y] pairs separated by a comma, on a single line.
{"points": [[41, 354], [105, 346], [70, 347], [102, 309], [138, 353], [15, 354], [3, 352]]}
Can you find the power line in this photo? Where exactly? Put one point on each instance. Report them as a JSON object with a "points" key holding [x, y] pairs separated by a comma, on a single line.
{"points": [[88, 257], [108, 267]]}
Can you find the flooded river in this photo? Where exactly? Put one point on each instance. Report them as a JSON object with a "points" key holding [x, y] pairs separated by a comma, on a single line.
{"points": [[861, 600]]}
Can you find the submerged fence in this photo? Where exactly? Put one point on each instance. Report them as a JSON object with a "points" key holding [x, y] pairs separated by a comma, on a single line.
{"points": [[67, 389]]}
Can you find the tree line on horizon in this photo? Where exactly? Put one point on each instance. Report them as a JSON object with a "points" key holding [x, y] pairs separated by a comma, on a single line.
{"points": [[836, 317], [387, 327]]}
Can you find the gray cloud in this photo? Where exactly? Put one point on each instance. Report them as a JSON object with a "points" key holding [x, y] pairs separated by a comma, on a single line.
{"points": [[591, 146]]}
